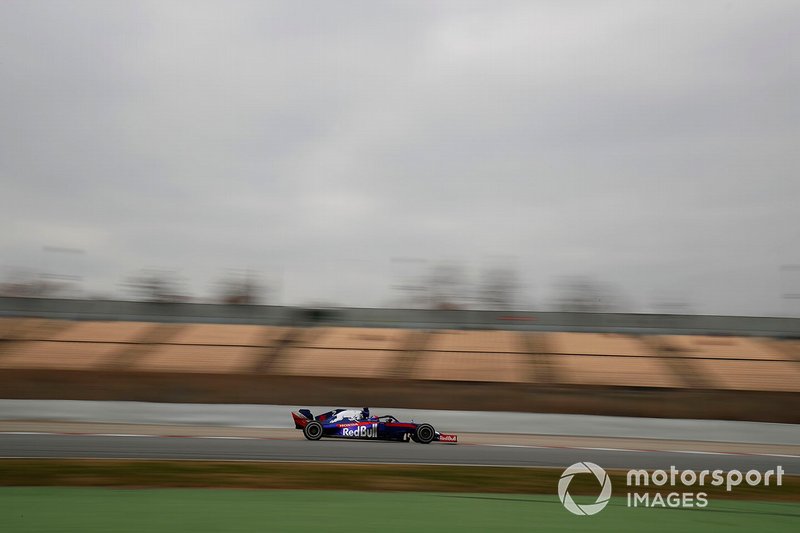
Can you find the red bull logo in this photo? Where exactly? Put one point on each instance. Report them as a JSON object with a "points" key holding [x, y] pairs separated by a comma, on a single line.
{"points": [[369, 431], [444, 437]]}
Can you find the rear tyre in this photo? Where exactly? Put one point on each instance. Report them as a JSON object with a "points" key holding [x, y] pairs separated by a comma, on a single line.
{"points": [[425, 433], [313, 430]]}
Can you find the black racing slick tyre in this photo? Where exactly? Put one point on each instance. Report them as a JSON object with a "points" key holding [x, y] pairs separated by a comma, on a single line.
{"points": [[425, 433], [313, 430]]}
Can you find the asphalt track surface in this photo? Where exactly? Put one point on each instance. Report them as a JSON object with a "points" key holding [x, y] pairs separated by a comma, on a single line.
{"points": [[277, 416], [37, 445]]}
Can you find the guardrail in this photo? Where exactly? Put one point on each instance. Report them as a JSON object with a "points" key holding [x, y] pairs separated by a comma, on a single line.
{"points": [[400, 318]]}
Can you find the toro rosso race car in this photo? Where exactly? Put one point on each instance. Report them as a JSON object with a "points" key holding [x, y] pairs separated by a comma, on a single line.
{"points": [[358, 424]]}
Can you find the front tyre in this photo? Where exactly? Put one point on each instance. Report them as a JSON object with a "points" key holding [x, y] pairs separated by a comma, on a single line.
{"points": [[425, 433], [313, 430]]}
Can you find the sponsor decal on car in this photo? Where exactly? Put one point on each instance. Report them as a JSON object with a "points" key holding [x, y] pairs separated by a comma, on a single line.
{"points": [[369, 431], [444, 437]]}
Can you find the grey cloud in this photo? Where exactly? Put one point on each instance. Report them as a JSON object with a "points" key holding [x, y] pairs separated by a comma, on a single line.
{"points": [[650, 144]]}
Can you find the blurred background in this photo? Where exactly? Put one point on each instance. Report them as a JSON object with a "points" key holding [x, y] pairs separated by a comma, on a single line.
{"points": [[559, 209]]}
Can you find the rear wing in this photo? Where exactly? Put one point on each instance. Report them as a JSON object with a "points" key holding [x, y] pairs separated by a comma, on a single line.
{"points": [[301, 418]]}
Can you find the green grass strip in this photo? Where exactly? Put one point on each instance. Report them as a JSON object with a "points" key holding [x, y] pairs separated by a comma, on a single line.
{"points": [[211, 510]]}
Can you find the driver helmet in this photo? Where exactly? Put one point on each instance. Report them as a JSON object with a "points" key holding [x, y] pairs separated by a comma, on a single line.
{"points": [[365, 413]]}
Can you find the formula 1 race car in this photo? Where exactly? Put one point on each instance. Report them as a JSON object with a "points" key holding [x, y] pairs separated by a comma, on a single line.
{"points": [[358, 424]]}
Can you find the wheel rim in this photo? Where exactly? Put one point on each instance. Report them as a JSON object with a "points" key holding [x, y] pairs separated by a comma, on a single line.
{"points": [[425, 433], [314, 430]]}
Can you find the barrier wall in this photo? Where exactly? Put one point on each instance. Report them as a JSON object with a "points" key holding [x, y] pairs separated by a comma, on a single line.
{"points": [[763, 406], [401, 318]]}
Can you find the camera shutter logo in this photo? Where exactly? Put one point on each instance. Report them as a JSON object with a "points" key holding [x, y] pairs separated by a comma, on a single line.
{"points": [[591, 508]]}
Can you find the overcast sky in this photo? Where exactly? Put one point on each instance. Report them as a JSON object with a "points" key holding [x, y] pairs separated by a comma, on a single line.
{"points": [[652, 145]]}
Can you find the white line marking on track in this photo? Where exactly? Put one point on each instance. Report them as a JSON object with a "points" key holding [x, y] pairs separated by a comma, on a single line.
{"points": [[111, 435], [513, 446], [609, 449], [697, 452]]}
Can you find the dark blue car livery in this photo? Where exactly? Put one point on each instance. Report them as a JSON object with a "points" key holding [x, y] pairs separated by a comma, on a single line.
{"points": [[358, 424]]}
